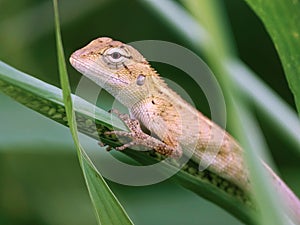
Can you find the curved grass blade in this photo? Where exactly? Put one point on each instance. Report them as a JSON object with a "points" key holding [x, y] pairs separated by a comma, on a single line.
{"points": [[47, 100], [281, 19], [209, 14], [278, 112], [107, 207]]}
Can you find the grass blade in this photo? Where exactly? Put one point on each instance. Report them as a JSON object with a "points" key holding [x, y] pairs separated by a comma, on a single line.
{"points": [[283, 117], [107, 207], [281, 19], [47, 100], [208, 13], [265, 197]]}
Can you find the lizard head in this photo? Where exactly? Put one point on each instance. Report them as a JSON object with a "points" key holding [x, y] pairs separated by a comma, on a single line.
{"points": [[118, 68]]}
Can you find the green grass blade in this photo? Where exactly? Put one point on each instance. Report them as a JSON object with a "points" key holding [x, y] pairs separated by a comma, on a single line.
{"points": [[281, 19], [283, 116], [47, 100], [208, 13], [107, 207], [265, 197]]}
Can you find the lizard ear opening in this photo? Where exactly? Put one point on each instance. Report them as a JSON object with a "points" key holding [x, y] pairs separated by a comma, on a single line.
{"points": [[140, 79]]}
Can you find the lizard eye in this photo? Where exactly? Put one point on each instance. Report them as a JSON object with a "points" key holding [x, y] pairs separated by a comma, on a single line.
{"points": [[115, 55]]}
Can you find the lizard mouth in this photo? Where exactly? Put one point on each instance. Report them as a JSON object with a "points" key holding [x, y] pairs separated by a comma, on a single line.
{"points": [[93, 72], [77, 64]]}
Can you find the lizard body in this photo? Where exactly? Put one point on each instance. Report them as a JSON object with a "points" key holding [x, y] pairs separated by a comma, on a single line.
{"points": [[125, 73], [162, 111]]}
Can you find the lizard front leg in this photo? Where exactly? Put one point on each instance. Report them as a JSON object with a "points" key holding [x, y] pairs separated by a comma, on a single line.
{"points": [[140, 138]]}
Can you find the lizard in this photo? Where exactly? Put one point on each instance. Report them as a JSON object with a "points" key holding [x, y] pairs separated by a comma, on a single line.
{"points": [[177, 128]]}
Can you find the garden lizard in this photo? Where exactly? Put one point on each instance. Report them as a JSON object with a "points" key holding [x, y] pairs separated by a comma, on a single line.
{"points": [[175, 125]]}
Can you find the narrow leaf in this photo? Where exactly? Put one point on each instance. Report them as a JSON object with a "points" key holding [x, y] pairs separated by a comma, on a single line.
{"points": [[108, 209], [281, 19], [248, 83], [46, 99]]}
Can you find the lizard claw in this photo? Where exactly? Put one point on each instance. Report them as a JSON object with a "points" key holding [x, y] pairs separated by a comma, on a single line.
{"points": [[139, 138]]}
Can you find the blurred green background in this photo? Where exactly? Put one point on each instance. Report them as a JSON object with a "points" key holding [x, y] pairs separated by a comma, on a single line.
{"points": [[40, 179]]}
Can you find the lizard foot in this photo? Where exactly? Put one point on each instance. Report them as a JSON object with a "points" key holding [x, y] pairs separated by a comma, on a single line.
{"points": [[139, 138]]}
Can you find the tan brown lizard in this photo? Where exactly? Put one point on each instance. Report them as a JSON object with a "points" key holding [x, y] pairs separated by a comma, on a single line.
{"points": [[180, 128]]}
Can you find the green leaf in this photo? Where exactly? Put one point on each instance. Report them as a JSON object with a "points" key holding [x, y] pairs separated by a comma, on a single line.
{"points": [[281, 19], [279, 113], [267, 201], [47, 100], [108, 209], [245, 126]]}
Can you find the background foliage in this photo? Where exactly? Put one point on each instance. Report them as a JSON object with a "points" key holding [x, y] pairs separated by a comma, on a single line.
{"points": [[40, 180]]}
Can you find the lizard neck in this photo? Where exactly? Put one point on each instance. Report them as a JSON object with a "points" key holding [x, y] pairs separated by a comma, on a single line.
{"points": [[133, 95], [165, 113]]}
